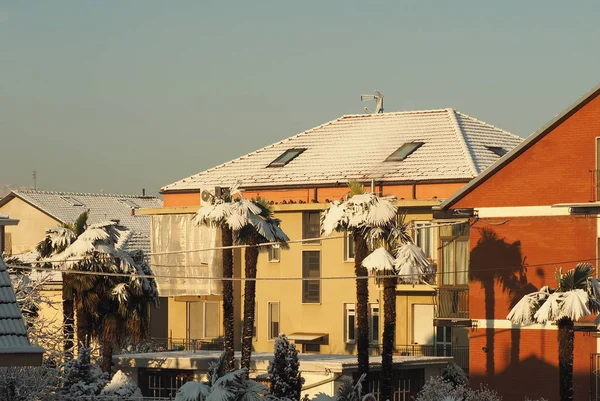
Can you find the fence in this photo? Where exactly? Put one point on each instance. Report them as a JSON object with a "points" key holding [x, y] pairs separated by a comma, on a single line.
{"points": [[460, 353]]}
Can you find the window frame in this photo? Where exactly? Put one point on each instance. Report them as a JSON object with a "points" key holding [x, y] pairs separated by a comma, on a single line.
{"points": [[271, 254], [306, 275], [349, 310], [348, 243], [204, 319], [412, 148], [456, 272], [281, 160], [306, 223], [270, 336], [372, 314]]}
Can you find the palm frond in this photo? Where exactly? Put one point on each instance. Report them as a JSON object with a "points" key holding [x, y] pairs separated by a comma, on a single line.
{"points": [[334, 218], [575, 304], [192, 391], [380, 260], [411, 263], [522, 313]]}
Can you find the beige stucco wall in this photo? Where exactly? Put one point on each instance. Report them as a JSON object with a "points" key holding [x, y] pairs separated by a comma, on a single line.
{"points": [[328, 315], [31, 227]]}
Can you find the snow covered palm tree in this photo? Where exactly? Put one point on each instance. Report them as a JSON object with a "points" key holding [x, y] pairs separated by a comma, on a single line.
{"points": [[368, 218], [411, 264], [577, 295], [106, 305], [57, 239], [214, 214]]}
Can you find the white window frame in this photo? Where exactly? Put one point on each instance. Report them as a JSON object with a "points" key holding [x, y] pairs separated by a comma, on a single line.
{"points": [[374, 310], [349, 310], [456, 270], [348, 239], [432, 240], [272, 257], [204, 318], [270, 335]]}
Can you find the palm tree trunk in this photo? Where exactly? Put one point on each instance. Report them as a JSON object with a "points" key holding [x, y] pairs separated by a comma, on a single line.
{"points": [[68, 320], [107, 354], [228, 304], [251, 258], [362, 307], [566, 341], [389, 330], [84, 327]]}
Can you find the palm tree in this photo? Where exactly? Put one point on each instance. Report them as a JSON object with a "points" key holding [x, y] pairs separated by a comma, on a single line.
{"points": [[247, 222], [577, 295], [253, 224], [411, 264], [215, 213], [367, 217], [104, 305], [57, 239]]}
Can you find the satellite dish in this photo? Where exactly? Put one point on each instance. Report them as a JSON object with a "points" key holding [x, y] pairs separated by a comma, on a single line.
{"points": [[206, 196], [378, 96]]}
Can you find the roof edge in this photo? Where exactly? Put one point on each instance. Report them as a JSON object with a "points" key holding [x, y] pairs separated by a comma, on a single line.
{"points": [[522, 147], [458, 130], [99, 194], [14, 194]]}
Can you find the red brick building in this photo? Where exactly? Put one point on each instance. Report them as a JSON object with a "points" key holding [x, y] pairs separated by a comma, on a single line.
{"points": [[534, 210]]}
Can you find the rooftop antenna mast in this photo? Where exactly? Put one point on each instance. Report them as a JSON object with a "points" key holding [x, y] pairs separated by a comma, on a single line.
{"points": [[34, 180], [378, 96]]}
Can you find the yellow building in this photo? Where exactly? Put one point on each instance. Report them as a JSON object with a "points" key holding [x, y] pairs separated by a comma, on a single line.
{"points": [[420, 157]]}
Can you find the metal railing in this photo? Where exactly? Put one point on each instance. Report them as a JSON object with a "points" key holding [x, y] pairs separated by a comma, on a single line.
{"points": [[594, 185], [453, 303], [175, 344], [460, 353]]}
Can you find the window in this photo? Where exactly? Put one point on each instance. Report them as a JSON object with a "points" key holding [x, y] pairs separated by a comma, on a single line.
{"points": [[255, 327], [274, 253], [425, 237], [455, 254], [311, 348], [349, 323], [497, 150], [273, 320], [374, 323], [130, 203], [311, 226], [72, 201], [163, 383], [348, 247], [404, 151], [211, 320], [286, 157], [311, 268], [443, 340]]}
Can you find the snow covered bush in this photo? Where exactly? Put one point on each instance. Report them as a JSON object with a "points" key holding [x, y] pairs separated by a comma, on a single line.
{"points": [[81, 379], [455, 375], [284, 370], [26, 383], [121, 387], [440, 389]]}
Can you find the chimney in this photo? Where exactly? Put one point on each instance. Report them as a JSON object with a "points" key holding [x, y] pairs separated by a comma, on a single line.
{"points": [[133, 211], [143, 191]]}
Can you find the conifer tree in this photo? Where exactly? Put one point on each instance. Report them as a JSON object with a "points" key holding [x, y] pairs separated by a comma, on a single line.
{"points": [[286, 381]]}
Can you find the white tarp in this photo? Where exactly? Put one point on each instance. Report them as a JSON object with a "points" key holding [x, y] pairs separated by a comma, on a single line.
{"points": [[176, 232]]}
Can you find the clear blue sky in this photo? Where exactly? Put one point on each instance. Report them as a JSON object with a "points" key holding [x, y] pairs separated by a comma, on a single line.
{"points": [[124, 95]]}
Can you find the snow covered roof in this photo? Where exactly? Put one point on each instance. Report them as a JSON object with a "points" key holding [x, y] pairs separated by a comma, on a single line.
{"points": [[13, 335], [449, 146], [65, 207], [530, 141]]}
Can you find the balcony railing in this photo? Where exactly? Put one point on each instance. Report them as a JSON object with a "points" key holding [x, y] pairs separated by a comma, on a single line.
{"points": [[452, 303], [460, 353], [175, 344], [594, 185]]}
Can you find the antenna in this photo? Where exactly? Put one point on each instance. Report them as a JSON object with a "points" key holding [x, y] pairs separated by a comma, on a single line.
{"points": [[378, 96], [34, 180]]}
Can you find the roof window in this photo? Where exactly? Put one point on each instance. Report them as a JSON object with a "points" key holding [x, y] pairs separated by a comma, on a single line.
{"points": [[72, 201], [286, 157], [497, 150], [129, 203], [404, 151]]}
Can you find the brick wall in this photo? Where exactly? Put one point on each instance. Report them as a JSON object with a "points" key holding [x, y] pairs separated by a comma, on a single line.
{"points": [[554, 170]]}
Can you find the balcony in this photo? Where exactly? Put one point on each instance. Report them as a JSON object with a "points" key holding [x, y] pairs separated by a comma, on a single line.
{"points": [[452, 303], [460, 353], [175, 344]]}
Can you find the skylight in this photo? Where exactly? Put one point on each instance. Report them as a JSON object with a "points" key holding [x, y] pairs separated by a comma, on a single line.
{"points": [[286, 157], [130, 203], [72, 201], [497, 150], [404, 151]]}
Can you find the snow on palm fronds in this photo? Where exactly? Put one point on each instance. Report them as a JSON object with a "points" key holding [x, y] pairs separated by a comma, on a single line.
{"points": [[411, 263], [380, 260], [576, 296], [60, 237], [192, 391], [360, 212]]}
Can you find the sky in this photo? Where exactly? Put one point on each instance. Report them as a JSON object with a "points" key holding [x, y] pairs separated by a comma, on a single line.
{"points": [[116, 96]]}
